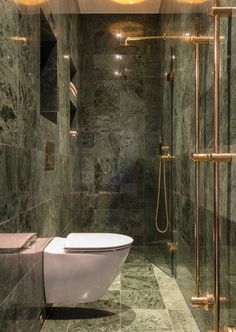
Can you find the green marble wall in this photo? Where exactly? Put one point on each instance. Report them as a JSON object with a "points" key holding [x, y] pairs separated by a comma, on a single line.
{"points": [[120, 105], [32, 199]]}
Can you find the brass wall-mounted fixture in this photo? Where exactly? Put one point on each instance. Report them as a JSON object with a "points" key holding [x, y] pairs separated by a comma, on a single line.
{"points": [[171, 75], [220, 11], [164, 154], [164, 37], [172, 247], [213, 157], [207, 300]]}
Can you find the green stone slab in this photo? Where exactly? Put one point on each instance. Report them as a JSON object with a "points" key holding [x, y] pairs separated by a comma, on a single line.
{"points": [[98, 321], [145, 299], [111, 300], [138, 282], [146, 320]]}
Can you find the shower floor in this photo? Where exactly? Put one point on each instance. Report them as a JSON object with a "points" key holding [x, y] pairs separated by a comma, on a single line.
{"points": [[142, 298]]}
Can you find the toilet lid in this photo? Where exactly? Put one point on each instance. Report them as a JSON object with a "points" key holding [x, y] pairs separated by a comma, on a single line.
{"points": [[96, 241]]}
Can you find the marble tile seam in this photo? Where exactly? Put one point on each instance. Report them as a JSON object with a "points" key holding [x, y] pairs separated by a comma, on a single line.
{"points": [[29, 209], [24, 276]]}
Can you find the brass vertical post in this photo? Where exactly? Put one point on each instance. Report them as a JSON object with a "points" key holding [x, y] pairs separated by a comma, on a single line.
{"points": [[216, 226], [197, 164]]}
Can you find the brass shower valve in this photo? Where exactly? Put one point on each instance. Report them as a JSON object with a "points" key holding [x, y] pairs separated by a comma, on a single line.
{"points": [[213, 157]]}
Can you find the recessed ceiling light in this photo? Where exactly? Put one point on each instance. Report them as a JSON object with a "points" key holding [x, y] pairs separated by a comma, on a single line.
{"points": [[29, 2], [128, 2]]}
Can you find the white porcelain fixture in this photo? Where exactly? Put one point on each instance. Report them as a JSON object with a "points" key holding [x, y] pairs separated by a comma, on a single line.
{"points": [[81, 267]]}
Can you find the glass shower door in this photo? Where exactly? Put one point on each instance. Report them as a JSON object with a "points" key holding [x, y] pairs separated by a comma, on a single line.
{"points": [[160, 244]]}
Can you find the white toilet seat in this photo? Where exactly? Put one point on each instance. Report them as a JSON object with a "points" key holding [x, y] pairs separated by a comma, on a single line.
{"points": [[76, 242]]}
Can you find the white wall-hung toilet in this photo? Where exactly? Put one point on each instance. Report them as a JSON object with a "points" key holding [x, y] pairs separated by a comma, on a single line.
{"points": [[81, 267]]}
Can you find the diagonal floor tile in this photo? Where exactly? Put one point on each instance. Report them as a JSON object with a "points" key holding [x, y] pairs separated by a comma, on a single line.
{"points": [[55, 326], [143, 299], [182, 321], [137, 270], [97, 321], [111, 300], [138, 282], [146, 320]]}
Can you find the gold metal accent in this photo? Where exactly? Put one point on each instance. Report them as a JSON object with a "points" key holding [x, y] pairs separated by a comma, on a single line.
{"points": [[220, 11], [216, 199], [164, 37], [197, 165], [213, 157], [206, 300], [165, 147], [172, 247], [171, 75], [165, 155], [229, 329], [200, 40], [49, 156]]}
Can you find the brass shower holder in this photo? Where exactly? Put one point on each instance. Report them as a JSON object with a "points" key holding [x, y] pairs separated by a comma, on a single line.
{"points": [[213, 157]]}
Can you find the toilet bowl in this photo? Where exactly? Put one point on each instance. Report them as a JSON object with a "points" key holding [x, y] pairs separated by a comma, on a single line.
{"points": [[81, 267]]}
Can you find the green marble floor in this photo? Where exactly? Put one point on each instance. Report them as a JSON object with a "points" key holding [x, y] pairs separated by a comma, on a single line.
{"points": [[142, 298]]}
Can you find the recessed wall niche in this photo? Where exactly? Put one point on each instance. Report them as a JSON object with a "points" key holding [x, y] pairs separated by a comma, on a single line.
{"points": [[48, 71], [73, 99]]}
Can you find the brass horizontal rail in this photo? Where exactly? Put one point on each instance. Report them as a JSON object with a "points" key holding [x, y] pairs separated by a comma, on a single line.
{"points": [[221, 11], [191, 39], [213, 157]]}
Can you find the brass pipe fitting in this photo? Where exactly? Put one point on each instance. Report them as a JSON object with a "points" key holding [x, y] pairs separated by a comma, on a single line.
{"points": [[201, 40], [206, 300], [213, 157], [167, 156], [221, 11]]}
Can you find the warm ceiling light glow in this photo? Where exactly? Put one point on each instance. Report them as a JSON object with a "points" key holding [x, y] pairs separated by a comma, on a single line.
{"points": [[128, 2], [192, 2], [126, 29], [118, 35], [29, 2]]}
